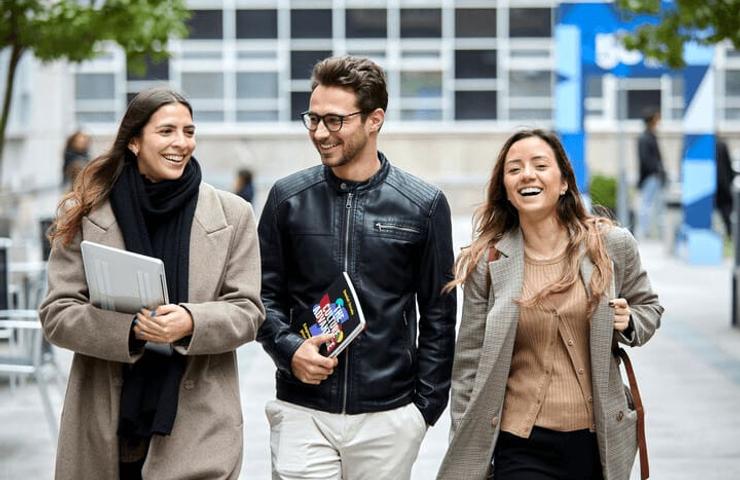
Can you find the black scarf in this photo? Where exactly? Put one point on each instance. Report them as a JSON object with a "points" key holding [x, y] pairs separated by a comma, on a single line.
{"points": [[155, 220]]}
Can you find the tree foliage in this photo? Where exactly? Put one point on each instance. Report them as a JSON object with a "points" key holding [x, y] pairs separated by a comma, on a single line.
{"points": [[706, 22], [75, 30]]}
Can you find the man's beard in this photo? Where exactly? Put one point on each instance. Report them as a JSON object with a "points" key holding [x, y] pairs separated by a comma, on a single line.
{"points": [[350, 150]]}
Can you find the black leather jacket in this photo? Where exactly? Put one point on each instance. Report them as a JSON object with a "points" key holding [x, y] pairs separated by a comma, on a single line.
{"points": [[392, 234]]}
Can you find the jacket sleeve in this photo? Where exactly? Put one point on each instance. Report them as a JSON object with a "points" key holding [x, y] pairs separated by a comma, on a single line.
{"points": [[69, 319], [234, 317], [437, 312], [275, 335], [469, 341], [636, 289]]}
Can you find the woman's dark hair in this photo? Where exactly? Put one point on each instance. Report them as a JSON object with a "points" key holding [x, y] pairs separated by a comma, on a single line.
{"points": [[361, 75], [94, 183]]}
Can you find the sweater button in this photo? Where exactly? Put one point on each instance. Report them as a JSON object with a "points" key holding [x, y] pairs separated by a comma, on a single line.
{"points": [[494, 421], [188, 384], [620, 416]]}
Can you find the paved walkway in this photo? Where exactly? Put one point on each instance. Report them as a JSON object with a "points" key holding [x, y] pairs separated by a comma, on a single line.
{"points": [[689, 376]]}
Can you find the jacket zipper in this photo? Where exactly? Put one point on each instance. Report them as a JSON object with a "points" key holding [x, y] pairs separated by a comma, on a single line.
{"points": [[385, 227], [348, 207]]}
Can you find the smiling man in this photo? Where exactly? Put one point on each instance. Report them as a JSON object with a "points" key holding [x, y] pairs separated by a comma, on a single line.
{"points": [[364, 414]]}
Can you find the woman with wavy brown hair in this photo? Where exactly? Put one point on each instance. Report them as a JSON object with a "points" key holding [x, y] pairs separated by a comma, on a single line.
{"points": [[131, 412], [548, 288]]}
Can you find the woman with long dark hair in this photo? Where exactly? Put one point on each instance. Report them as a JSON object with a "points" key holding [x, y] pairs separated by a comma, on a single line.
{"points": [[548, 289], [131, 412]]}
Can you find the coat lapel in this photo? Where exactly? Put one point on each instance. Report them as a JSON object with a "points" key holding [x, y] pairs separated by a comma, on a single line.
{"points": [[507, 276], [602, 326], [103, 228], [210, 243]]}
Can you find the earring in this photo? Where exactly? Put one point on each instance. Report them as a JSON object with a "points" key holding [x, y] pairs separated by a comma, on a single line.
{"points": [[563, 192]]}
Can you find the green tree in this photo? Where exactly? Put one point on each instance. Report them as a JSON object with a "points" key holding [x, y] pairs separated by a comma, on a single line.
{"points": [[706, 22], [74, 30]]}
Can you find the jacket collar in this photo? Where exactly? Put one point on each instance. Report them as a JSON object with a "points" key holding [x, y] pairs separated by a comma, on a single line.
{"points": [[511, 243], [345, 186]]}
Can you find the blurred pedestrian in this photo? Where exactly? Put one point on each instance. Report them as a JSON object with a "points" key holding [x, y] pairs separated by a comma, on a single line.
{"points": [[548, 290], [130, 412], [76, 156], [652, 177], [244, 186], [725, 176], [363, 414]]}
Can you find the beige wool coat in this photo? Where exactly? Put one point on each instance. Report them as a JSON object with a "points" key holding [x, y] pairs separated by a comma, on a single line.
{"points": [[485, 346], [224, 300]]}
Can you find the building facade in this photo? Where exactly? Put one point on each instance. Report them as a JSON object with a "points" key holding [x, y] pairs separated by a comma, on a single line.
{"points": [[462, 75]]}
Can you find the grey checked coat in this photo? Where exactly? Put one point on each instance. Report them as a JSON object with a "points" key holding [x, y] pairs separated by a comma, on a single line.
{"points": [[486, 341]]}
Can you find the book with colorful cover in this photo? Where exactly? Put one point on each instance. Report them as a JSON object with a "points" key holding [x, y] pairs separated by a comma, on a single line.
{"points": [[336, 312]]}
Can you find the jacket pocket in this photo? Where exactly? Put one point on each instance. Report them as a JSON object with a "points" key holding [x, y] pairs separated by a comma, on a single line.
{"points": [[397, 229]]}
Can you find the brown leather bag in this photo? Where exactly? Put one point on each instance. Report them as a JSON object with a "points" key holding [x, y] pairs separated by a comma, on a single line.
{"points": [[637, 400]]}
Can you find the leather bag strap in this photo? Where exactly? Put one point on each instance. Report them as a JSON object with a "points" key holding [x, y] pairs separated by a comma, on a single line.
{"points": [[641, 440]]}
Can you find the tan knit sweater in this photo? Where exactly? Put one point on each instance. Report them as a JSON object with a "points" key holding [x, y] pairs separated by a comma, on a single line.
{"points": [[549, 382]]}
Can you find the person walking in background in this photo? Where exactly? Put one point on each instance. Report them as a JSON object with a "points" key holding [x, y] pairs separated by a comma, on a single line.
{"points": [[725, 177], [244, 186], [364, 415], [76, 156], [652, 177], [548, 289], [131, 413]]}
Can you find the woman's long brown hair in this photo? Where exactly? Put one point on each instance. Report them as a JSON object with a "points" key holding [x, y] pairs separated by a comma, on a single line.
{"points": [[94, 183], [496, 216]]}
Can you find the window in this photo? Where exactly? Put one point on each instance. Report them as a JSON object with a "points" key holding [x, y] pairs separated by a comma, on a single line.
{"points": [[475, 22], [475, 105], [203, 85], [310, 23], [256, 24], [428, 114], [257, 116], [366, 23], [594, 86], [641, 102], [95, 86], [594, 96], [475, 64], [256, 85], [530, 114], [421, 23], [206, 25], [421, 84], [95, 117], [298, 104], [302, 62], [732, 83], [530, 22], [530, 83], [154, 71]]}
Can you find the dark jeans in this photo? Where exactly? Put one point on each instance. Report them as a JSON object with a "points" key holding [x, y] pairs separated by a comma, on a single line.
{"points": [[547, 455]]}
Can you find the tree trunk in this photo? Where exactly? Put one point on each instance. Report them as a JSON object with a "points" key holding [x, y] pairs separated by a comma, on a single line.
{"points": [[15, 56]]}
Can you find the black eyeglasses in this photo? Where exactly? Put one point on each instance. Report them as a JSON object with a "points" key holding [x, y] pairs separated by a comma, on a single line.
{"points": [[332, 121]]}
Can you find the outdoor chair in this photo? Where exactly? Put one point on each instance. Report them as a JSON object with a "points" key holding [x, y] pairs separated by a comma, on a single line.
{"points": [[22, 356]]}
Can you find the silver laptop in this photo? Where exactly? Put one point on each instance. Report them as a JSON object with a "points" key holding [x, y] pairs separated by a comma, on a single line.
{"points": [[124, 281]]}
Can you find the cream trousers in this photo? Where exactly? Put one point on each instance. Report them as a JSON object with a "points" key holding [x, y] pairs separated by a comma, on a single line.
{"points": [[311, 444]]}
